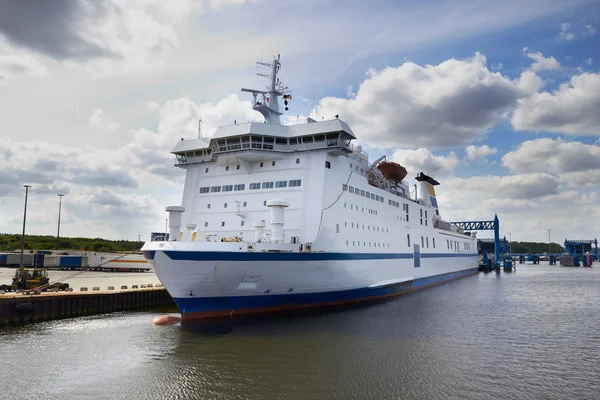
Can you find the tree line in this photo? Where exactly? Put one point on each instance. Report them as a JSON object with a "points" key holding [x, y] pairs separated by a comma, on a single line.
{"points": [[12, 242]]}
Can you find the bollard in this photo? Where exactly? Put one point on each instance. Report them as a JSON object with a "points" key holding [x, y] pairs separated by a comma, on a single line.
{"points": [[134, 286], [123, 287], [111, 288], [143, 286], [83, 289], [159, 285], [70, 289], [96, 288], [149, 285]]}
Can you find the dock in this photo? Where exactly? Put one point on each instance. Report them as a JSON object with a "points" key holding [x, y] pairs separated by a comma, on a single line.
{"points": [[19, 309]]}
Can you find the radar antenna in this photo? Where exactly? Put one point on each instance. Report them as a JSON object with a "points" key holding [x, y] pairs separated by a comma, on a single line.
{"points": [[269, 106]]}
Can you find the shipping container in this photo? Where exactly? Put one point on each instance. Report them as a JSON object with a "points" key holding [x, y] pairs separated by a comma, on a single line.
{"points": [[3, 258], [72, 261], [14, 260], [50, 261]]}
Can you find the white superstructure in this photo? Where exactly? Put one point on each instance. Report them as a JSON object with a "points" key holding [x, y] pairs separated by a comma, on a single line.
{"points": [[277, 216]]}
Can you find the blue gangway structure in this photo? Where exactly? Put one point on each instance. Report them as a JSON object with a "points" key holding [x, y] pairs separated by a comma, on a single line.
{"points": [[485, 226], [576, 248]]}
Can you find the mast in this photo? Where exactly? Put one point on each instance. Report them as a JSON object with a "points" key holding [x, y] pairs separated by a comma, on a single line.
{"points": [[268, 106]]}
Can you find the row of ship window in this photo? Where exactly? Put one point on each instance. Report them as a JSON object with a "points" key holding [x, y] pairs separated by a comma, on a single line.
{"points": [[354, 207], [363, 193], [454, 245], [375, 228], [374, 244], [252, 186], [237, 167]]}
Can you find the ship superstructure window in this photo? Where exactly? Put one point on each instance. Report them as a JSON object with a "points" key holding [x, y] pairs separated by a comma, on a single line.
{"points": [[433, 242], [273, 163], [297, 161], [362, 193], [245, 204], [237, 167], [239, 187], [427, 241], [225, 205], [208, 206], [222, 223], [281, 184], [205, 189], [327, 164], [295, 182], [254, 186], [215, 189], [351, 189], [264, 203], [337, 228], [242, 223], [408, 239], [227, 168], [267, 185], [261, 165], [227, 188], [205, 224], [422, 242], [206, 171], [344, 187]]}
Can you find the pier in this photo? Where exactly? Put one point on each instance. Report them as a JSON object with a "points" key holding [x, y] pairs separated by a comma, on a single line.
{"points": [[18, 309]]}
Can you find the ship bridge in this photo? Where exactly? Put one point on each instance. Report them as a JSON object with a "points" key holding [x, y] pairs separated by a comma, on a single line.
{"points": [[252, 141]]}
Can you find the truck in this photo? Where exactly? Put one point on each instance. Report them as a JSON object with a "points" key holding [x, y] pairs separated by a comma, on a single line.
{"points": [[32, 278]]}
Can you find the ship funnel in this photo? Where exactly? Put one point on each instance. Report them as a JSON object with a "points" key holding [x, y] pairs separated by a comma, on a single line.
{"points": [[426, 192], [174, 220], [258, 231], [277, 218]]}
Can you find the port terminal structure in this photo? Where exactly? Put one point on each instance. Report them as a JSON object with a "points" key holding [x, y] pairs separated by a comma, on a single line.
{"points": [[493, 225]]}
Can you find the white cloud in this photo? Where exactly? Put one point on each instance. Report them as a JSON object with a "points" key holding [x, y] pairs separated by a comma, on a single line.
{"points": [[572, 109], [17, 65], [576, 164], [498, 66], [98, 120], [543, 63], [474, 153], [589, 61], [435, 106], [564, 32], [590, 29], [423, 160]]}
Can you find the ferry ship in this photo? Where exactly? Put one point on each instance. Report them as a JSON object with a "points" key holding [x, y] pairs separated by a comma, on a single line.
{"points": [[277, 217]]}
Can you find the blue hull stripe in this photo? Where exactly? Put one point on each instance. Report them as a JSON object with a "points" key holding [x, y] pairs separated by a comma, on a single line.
{"points": [[264, 256], [212, 305]]}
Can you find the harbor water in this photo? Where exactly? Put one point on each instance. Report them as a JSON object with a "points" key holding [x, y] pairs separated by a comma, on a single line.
{"points": [[530, 334]]}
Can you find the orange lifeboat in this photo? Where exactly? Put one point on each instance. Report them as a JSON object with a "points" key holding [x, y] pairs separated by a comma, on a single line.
{"points": [[392, 170]]}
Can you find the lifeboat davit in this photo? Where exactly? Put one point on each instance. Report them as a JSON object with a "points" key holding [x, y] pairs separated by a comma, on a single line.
{"points": [[392, 170]]}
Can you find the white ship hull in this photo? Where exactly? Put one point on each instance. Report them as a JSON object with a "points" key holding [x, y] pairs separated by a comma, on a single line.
{"points": [[212, 284]]}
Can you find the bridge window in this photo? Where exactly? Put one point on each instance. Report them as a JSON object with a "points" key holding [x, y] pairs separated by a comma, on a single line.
{"points": [[205, 189]]}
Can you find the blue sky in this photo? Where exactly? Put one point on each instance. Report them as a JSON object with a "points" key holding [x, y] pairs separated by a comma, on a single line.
{"points": [[469, 91]]}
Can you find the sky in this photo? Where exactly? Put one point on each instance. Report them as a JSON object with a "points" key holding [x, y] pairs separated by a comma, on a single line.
{"points": [[498, 100]]}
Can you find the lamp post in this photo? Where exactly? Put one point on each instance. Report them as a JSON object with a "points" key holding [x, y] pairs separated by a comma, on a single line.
{"points": [[60, 196], [549, 243], [23, 235]]}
